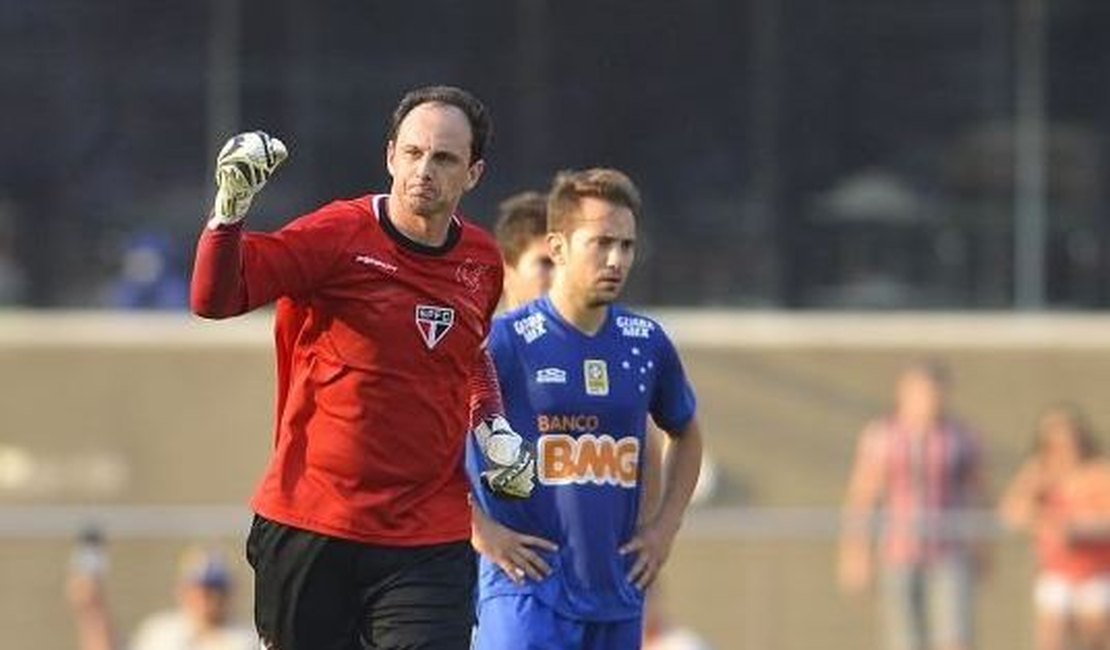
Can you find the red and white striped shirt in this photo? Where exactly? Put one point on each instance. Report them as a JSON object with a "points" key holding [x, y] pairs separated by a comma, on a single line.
{"points": [[927, 476]]}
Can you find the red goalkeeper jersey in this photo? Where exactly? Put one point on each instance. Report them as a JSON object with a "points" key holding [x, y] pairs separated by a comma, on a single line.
{"points": [[378, 340]]}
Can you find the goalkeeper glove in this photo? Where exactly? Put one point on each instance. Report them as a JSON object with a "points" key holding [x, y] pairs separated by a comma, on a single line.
{"points": [[243, 166], [513, 470]]}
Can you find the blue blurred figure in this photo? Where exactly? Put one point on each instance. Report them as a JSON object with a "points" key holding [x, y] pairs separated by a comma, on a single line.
{"points": [[151, 276]]}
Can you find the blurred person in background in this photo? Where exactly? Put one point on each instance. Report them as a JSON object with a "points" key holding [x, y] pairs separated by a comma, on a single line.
{"points": [[1061, 497], [661, 632], [201, 620], [917, 466], [150, 275], [521, 232]]}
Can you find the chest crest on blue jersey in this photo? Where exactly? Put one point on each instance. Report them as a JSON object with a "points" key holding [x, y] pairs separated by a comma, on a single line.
{"points": [[596, 377], [434, 322]]}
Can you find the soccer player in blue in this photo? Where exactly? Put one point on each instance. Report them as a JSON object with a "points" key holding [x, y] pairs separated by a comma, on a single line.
{"points": [[579, 377]]}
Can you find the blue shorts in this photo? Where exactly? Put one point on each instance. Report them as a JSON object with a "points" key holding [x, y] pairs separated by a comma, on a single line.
{"points": [[525, 623]]}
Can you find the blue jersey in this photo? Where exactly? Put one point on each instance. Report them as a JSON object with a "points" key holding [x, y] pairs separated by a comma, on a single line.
{"points": [[583, 401]]}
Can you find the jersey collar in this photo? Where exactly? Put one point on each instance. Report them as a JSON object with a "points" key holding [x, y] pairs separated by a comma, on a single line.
{"points": [[549, 308], [381, 211]]}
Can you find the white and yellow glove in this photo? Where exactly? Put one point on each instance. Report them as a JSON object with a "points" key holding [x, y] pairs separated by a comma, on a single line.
{"points": [[512, 472], [243, 166]]}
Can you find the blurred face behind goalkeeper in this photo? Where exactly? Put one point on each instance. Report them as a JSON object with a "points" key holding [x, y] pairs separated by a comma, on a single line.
{"points": [[521, 232], [361, 534]]}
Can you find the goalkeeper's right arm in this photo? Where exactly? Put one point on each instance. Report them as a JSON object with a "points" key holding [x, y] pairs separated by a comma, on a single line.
{"points": [[243, 166]]}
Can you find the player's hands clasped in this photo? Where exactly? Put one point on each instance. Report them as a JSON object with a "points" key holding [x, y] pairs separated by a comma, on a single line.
{"points": [[512, 472], [516, 553], [243, 166], [652, 546]]}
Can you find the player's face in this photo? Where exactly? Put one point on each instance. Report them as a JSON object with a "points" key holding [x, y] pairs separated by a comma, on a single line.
{"points": [[530, 278], [1059, 440], [430, 160], [205, 605], [594, 259], [920, 396]]}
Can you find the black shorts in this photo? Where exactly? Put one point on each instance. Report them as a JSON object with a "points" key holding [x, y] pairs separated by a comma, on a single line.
{"points": [[315, 592]]}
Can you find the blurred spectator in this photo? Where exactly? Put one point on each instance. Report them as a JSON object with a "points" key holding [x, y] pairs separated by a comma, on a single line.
{"points": [[201, 620], [919, 466], [521, 232], [660, 633], [1061, 497], [150, 275]]}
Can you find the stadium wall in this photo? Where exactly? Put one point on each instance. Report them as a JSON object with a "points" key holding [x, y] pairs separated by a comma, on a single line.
{"points": [[156, 428]]}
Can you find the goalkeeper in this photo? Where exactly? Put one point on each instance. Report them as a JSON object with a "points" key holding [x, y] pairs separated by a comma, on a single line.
{"points": [[362, 524]]}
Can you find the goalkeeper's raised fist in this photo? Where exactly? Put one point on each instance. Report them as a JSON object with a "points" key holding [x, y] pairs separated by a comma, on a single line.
{"points": [[512, 463], [243, 166]]}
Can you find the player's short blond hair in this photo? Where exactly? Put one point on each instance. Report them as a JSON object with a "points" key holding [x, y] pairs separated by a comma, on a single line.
{"points": [[570, 187]]}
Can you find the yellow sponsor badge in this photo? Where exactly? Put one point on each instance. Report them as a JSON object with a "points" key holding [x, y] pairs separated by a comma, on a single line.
{"points": [[597, 377]]}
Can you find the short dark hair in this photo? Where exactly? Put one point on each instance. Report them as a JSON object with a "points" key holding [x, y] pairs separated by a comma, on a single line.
{"points": [[570, 187], [481, 127], [521, 218]]}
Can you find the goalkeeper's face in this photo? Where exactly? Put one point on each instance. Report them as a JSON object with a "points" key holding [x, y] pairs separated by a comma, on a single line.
{"points": [[593, 259], [429, 160]]}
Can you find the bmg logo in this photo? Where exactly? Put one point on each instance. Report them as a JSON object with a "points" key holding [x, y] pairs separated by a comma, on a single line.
{"points": [[600, 460]]}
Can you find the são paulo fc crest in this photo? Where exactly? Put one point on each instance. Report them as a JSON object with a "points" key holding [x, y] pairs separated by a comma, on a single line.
{"points": [[433, 323]]}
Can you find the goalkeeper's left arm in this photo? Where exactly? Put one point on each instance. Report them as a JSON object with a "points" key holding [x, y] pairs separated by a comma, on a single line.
{"points": [[510, 462]]}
